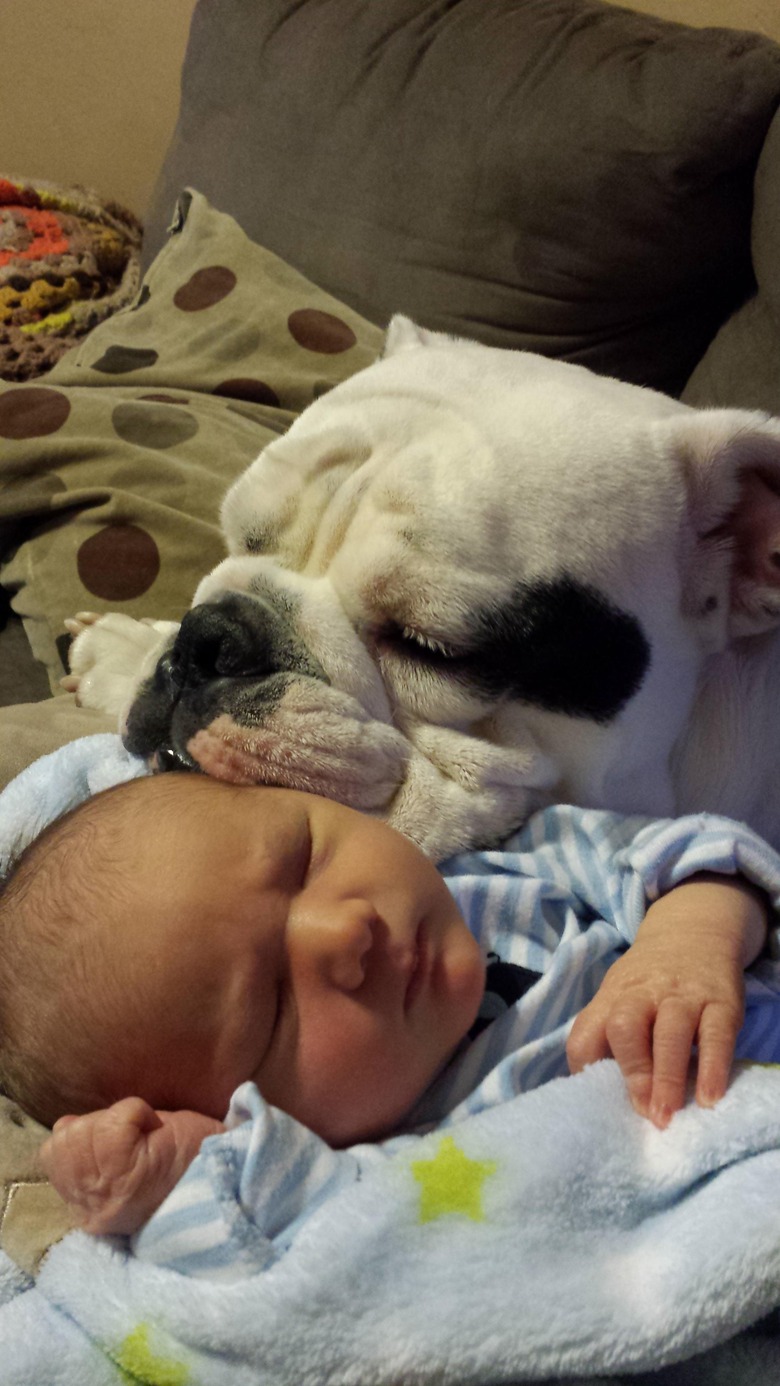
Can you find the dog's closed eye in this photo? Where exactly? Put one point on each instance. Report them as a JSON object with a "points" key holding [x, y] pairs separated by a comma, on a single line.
{"points": [[413, 643], [429, 643]]}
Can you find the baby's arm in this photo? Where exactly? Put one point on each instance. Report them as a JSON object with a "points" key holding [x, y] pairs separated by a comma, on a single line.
{"points": [[680, 983], [115, 1167]]}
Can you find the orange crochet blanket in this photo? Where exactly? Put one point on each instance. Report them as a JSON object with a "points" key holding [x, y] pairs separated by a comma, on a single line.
{"points": [[67, 260]]}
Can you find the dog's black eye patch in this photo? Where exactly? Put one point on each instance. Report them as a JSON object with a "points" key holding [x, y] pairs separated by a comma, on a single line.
{"points": [[559, 645]]}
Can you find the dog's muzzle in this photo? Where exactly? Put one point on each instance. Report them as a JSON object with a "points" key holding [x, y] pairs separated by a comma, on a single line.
{"points": [[225, 658]]}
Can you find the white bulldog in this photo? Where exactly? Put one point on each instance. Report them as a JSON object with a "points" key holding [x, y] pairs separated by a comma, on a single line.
{"points": [[468, 582]]}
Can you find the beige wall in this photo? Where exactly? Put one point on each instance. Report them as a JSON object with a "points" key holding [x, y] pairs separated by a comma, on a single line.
{"points": [[762, 15], [90, 88]]}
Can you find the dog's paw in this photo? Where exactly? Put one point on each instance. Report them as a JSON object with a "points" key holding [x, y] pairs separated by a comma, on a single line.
{"points": [[109, 654], [76, 624]]}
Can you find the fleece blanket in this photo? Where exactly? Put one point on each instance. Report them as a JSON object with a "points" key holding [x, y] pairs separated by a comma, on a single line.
{"points": [[557, 1235]]}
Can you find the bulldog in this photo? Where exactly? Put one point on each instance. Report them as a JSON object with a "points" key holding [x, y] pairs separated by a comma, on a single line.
{"points": [[469, 582]]}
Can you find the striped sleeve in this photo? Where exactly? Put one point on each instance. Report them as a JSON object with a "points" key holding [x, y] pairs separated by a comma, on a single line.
{"points": [[596, 865], [242, 1199], [565, 897]]}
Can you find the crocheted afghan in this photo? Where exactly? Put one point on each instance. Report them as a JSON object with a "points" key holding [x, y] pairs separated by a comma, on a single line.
{"points": [[67, 260]]}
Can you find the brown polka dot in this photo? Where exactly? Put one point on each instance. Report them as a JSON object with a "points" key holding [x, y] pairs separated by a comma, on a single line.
{"points": [[205, 288], [32, 412], [165, 399], [118, 360], [252, 391], [318, 331], [118, 563], [153, 426]]}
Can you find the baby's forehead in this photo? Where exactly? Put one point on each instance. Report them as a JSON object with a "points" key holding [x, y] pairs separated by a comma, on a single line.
{"points": [[156, 793], [130, 815], [186, 786], [179, 804], [169, 836]]}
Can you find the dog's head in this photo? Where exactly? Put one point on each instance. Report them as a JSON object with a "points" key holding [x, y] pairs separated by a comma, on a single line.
{"points": [[469, 578]]}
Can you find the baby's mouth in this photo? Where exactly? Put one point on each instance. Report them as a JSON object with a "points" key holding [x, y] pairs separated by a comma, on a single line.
{"points": [[420, 970]]}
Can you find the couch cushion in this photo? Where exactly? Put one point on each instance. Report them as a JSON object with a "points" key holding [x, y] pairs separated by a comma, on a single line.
{"points": [[114, 468], [30, 730], [741, 366], [558, 175]]}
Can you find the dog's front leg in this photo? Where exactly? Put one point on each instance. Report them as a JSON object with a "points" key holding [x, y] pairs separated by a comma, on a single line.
{"points": [[110, 656]]}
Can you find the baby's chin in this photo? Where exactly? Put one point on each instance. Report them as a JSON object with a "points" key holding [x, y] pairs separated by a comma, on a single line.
{"points": [[357, 1130], [465, 967]]}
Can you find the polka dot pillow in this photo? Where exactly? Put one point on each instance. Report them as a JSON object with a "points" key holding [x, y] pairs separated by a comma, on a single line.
{"points": [[112, 472]]}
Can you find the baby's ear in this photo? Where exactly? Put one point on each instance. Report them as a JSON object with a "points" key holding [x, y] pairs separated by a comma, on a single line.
{"points": [[732, 464]]}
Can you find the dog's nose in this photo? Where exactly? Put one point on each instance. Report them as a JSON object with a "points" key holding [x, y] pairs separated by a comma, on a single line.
{"points": [[215, 642]]}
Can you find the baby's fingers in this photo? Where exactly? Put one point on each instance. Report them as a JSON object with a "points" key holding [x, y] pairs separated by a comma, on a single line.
{"points": [[718, 1030], [587, 1042], [630, 1037], [623, 1033], [674, 1032]]}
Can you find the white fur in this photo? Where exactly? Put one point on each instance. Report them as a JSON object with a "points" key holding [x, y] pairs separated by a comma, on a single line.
{"points": [[447, 473]]}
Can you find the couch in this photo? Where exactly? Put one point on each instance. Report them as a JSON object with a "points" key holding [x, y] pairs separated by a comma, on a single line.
{"points": [[555, 175], [561, 176]]}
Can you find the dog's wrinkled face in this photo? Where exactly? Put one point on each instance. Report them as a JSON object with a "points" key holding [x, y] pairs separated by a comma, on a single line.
{"points": [[465, 581]]}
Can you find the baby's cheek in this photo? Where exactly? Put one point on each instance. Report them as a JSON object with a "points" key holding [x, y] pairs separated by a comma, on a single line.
{"points": [[375, 1106], [357, 1083]]}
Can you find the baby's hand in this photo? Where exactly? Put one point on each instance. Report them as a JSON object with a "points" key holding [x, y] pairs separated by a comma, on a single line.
{"points": [[680, 984], [115, 1167]]}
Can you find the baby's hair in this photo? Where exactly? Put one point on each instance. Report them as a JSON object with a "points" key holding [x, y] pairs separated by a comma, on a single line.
{"points": [[53, 909]]}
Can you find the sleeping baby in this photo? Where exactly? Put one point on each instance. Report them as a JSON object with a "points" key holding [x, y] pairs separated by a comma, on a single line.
{"points": [[174, 941]]}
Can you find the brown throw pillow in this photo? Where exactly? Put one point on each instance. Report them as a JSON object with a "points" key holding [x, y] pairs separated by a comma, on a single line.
{"points": [[112, 471]]}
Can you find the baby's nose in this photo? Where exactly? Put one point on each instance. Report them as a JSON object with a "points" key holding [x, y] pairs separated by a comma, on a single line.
{"points": [[344, 939]]}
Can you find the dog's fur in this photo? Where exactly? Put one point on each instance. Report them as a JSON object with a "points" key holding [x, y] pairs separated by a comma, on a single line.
{"points": [[468, 582]]}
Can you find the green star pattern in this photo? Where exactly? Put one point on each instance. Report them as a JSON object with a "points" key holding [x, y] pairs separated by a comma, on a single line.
{"points": [[451, 1183]]}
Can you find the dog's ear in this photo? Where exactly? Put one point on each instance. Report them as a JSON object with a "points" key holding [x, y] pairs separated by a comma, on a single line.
{"points": [[732, 463], [404, 335]]}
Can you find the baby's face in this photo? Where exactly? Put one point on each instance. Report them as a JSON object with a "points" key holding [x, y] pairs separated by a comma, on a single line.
{"points": [[281, 937]]}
